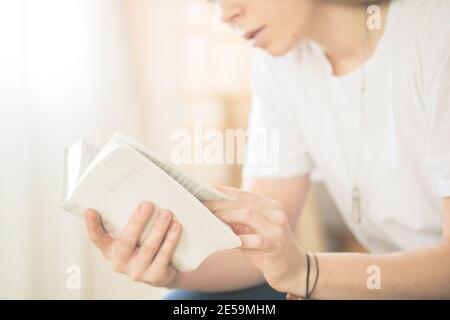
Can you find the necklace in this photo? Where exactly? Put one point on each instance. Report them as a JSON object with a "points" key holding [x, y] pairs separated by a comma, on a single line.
{"points": [[356, 192], [356, 197]]}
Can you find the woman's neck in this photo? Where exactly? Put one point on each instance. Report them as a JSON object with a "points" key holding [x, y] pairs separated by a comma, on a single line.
{"points": [[342, 31]]}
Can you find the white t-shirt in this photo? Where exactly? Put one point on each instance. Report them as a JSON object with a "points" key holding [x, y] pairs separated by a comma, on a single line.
{"points": [[405, 154]]}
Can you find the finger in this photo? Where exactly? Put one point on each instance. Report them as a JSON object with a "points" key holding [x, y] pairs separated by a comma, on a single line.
{"points": [[130, 235], [251, 197], [153, 241], [97, 233], [254, 242], [276, 216], [165, 253], [242, 194], [252, 219], [219, 205]]}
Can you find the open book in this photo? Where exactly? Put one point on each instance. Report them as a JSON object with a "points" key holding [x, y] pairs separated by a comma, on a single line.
{"points": [[123, 174]]}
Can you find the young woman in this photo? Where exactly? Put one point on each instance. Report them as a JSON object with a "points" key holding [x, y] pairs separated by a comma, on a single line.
{"points": [[360, 91]]}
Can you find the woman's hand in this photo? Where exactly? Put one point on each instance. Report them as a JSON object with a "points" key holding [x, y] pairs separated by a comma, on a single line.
{"points": [[266, 237], [150, 263]]}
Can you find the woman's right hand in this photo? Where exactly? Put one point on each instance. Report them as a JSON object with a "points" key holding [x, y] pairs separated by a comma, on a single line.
{"points": [[150, 262]]}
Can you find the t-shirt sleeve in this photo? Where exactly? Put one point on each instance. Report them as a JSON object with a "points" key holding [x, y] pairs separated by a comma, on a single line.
{"points": [[275, 148], [437, 93]]}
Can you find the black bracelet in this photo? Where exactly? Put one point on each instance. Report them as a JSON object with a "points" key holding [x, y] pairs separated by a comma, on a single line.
{"points": [[316, 277], [308, 270], [308, 294]]}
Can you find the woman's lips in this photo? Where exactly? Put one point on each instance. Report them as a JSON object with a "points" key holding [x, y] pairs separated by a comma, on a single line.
{"points": [[254, 36]]}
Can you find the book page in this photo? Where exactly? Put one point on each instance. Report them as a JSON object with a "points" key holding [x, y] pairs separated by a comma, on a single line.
{"points": [[198, 190], [76, 159], [89, 152]]}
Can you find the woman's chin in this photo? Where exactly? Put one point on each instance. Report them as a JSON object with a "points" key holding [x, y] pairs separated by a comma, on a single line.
{"points": [[279, 50]]}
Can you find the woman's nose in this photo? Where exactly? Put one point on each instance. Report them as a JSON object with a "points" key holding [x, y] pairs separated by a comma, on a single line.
{"points": [[230, 11]]}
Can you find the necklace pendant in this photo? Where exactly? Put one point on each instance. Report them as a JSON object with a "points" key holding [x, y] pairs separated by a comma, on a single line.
{"points": [[356, 205]]}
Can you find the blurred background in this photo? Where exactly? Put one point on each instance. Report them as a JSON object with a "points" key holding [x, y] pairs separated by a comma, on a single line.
{"points": [[88, 68]]}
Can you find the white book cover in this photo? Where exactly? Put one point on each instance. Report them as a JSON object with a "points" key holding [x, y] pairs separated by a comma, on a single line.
{"points": [[123, 174]]}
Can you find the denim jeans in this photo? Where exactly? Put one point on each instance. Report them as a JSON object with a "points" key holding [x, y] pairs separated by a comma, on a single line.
{"points": [[261, 292]]}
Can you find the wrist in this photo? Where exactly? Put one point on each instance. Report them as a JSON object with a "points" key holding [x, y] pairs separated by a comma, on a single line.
{"points": [[297, 284], [174, 282], [306, 280]]}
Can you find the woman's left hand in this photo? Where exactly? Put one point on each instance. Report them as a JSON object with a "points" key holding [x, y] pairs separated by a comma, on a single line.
{"points": [[267, 238]]}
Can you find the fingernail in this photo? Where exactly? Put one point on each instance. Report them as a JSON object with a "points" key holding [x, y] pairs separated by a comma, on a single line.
{"points": [[92, 218], [145, 208], [164, 215], [173, 227]]}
